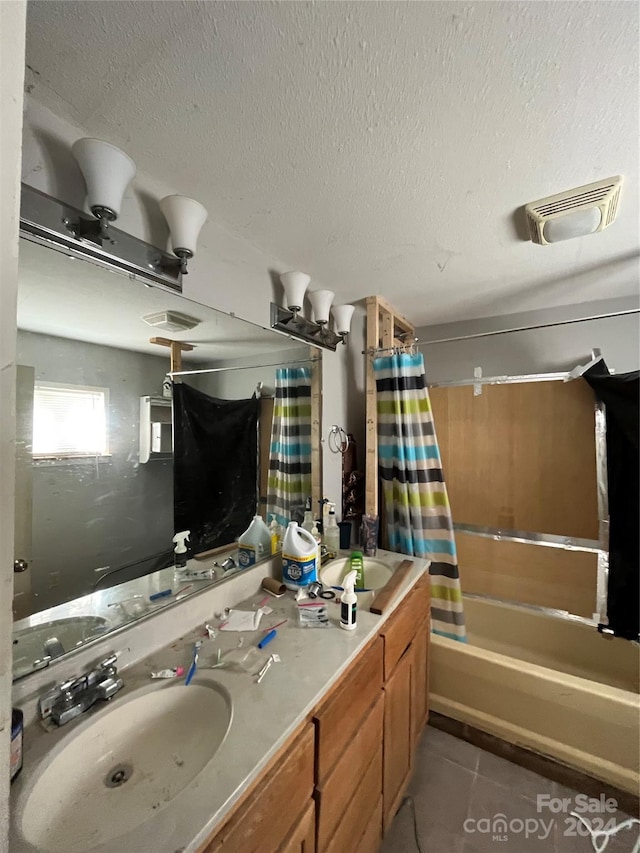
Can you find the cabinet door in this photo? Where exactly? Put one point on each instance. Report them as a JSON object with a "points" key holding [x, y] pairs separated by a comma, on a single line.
{"points": [[261, 823], [302, 838], [419, 685], [398, 740]]}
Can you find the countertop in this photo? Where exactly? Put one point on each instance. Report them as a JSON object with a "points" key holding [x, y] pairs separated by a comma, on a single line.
{"points": [[264, 716]]}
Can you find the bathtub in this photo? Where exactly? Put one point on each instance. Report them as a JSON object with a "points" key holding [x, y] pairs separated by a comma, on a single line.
{"points": [[551, 685]]}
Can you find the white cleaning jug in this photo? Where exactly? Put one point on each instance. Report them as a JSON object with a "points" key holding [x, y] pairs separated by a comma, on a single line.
{"points": [[255, 543], [299, 557]]}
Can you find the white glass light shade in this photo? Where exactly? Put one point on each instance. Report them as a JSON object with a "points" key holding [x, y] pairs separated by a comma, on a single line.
{"points": [[342, 315], [185, 217], [107, 172], [577, 223], [295, 285], [321, 303]]}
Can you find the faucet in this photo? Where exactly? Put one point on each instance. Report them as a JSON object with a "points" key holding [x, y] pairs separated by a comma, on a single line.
{"points": [[326, 555], [73, 697]]}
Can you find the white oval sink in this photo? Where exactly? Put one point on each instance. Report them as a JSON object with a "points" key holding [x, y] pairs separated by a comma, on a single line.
{"points": [[124, 764], [376, 573]]}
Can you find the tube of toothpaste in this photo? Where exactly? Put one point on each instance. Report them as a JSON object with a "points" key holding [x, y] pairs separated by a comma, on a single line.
{"points": [[168, 673]]}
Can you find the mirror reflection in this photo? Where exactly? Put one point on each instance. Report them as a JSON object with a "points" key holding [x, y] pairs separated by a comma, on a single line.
{"points": [[116, 453]]}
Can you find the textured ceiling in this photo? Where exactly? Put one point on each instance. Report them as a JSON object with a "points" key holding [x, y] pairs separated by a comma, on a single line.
{"points": [[380, 147]]}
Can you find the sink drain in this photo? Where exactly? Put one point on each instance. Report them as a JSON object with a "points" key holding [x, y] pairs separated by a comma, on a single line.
{"points": [[118, 775]]}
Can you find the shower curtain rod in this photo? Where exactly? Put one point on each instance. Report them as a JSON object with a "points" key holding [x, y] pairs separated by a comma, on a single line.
{"points": [[242, 367], [417, 343]]}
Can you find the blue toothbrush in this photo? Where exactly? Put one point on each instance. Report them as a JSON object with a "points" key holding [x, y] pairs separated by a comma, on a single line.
{"points": [[194, 663]]}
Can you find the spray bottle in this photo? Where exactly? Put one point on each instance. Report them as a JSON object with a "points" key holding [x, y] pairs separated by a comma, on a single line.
{"points": [[348, 603], [180, 551]]}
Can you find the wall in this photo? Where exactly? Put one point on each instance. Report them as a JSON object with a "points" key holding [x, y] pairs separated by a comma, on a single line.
{"points": [[12, 37], [543, 350], [88, 515]]}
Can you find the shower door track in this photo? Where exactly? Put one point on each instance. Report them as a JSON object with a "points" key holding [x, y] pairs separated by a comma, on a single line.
{"points": [[599, 546]]}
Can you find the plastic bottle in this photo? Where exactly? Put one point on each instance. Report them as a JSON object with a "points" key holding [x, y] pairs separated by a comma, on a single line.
{"points": [[315, 532], [299, 557], [332, 531], [308, 522], [348, 603], [255, 543], [276, 535], [180, 551], [356, 562]]}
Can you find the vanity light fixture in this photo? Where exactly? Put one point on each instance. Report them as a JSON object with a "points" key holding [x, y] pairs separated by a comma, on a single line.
{"points": [[107, 172], [185, 217], [292, 321]]}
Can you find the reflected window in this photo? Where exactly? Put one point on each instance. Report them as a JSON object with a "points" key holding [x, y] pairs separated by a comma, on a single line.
{"points": [[69, 420]]}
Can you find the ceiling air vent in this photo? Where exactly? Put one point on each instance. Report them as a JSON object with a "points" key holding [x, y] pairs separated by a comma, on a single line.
{"points": [[574, 213], [171, 321]]}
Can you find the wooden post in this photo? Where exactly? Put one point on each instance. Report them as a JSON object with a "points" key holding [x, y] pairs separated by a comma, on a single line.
{"points": [[385, 328], [316, 426], [176, 347]]}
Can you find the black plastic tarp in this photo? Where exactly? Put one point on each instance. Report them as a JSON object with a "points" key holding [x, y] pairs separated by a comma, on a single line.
{"points": [[214, 467], [620, 395]]}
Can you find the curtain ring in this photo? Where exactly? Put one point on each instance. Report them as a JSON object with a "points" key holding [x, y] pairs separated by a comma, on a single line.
{"points": [[338, 440]]}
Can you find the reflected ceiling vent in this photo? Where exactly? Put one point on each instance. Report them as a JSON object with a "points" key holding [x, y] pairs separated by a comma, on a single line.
{"points": [[574, 213], [171, 321]]}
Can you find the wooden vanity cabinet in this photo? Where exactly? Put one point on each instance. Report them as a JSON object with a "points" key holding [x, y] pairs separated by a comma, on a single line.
{"points": [[336, 786], [275, 814], [349, 729], [406, 643]]}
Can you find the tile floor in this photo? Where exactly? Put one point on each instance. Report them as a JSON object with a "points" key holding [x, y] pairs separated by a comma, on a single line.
{"points": [[456, 784]]}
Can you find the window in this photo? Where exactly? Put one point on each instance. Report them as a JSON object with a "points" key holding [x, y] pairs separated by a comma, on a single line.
{"points": [[69, 420]]}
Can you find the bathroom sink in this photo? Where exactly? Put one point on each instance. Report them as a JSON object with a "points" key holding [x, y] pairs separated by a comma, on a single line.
{"points": [[376, 573], [36, 642], [118, 768]]}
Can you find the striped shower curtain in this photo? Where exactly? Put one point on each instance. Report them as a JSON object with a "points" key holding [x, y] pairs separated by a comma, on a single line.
{"points": [[413, 488], [289, 483]]}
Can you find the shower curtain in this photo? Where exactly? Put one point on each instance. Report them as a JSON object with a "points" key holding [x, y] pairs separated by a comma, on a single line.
{"points": [[413, 488], [289, 483], [214, 466]]}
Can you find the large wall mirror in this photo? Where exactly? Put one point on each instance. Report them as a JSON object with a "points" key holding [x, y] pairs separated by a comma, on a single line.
{"points": [[98, 498]]}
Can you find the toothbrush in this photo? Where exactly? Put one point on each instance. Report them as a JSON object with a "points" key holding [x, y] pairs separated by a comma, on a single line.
{"points": [[194, 663]]}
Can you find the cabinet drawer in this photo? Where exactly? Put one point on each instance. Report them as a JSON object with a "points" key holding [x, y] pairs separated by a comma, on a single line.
{"points": [[401, 628], [264, 820], [358, 813], [341, 715], [348, 773], [302, 838], [370, 841]]}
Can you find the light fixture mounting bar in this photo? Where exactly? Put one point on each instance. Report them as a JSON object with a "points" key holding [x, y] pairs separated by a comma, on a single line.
{"points": [[294, 324], [46, 220]]}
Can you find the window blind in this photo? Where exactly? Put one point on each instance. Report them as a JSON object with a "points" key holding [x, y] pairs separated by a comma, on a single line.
{"points": [[69, 420]]}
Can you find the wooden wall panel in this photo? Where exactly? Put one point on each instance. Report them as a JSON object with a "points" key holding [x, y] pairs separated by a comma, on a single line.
{"points": [[520, 456], [531, 574]]}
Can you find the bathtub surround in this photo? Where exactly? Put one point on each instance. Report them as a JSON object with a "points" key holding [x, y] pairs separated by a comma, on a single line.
{"points": [[415, 494], [553, 686]]}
